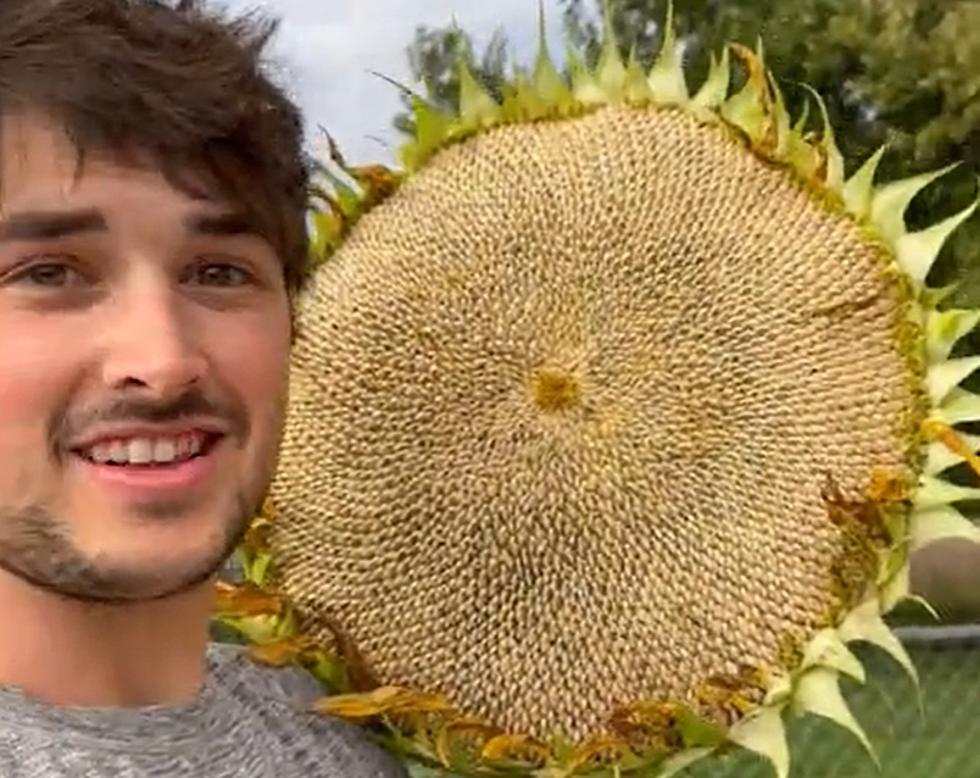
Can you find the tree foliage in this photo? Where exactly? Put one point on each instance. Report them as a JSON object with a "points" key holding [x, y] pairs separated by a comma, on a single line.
{"points": [[433, 58]]}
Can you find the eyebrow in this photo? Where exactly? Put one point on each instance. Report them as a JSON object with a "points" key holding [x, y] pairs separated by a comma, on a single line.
{"points": [[229, 224], [52, 225]]}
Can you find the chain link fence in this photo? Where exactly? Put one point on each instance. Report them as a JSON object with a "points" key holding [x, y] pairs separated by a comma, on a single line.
{"points": [[940, 739]]}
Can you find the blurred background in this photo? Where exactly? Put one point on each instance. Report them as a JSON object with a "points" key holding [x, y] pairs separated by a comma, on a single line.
{"points": [[905, 73]]}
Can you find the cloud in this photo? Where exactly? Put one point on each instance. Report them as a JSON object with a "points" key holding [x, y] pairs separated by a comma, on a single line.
{"points": [[327, 50]]}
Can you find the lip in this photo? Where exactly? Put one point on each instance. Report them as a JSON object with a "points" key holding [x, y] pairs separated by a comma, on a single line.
{"points": [[109, 432], [136, 482]]}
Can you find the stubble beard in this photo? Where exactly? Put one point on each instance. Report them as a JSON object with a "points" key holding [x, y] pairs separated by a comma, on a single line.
{"points": [[37, 547]]}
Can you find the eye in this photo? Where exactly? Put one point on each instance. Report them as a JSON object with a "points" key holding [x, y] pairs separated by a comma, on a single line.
{"points": [[48, 274], [220, 274]]}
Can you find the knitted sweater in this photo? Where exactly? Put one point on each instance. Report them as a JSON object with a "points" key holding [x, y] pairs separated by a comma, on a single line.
{"points": [[248, 721]]}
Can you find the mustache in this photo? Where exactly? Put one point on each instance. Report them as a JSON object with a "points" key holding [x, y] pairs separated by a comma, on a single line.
{"points": [[193, 403]]}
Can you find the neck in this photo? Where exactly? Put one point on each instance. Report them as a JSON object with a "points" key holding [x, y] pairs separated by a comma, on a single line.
{"points": [[70, 653]]}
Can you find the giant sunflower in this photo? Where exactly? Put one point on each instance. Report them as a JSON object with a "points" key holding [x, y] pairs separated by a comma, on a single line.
{"points": [[616, 415]]}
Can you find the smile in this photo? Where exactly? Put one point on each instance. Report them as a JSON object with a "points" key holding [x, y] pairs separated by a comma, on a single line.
{"points": [[151, 467], [149, 451]]}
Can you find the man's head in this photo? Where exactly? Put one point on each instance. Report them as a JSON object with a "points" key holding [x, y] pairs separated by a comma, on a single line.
{"points": [[152, 228]]}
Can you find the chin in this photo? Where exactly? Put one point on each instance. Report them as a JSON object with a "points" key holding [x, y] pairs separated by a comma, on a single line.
{"points": [[105, 554], [182, 542], [133, 574]]}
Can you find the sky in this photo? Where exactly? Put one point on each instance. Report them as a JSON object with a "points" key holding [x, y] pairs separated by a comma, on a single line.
{"points": [[326, 49]]}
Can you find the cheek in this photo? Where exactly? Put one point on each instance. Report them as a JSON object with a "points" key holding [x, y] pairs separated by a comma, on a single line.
{"points": [[37, 373], [253, 362]]}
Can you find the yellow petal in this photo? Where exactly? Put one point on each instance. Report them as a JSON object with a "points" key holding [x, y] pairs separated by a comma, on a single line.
{"points": [[834, 178], [800, 126], [827, 649], [940, 523], [546, 80], [715, 88], [246, 600], [896, 589], [476, 107], [781, 120], [358, 706], [819, 693], [943, 377], [280, 653], [584, 86], [865, 624], [859, 188], [937, 492], [764, 733], [959, 406], [748, 109], [637, 88], [949, 447], [945, 328], [610, 72], [510, 746], [780, 691], [918, 251], [666, 79], [890, 202]]}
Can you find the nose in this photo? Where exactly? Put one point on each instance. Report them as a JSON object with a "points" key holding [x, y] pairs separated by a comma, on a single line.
{"points": [[153, 346]]}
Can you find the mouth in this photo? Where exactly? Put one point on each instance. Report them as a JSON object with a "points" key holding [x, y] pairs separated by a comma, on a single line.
{"points": [[164, 466], [145, 452]]}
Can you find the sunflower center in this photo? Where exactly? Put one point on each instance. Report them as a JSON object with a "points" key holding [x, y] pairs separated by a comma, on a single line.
{"points": [[555, 389], [714, 346]]}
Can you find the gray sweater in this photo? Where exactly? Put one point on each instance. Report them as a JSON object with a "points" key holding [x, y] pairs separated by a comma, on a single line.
{"points": [[248, 721]]}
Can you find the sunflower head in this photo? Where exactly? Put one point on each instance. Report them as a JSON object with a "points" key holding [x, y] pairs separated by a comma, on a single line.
{"points": [[615, 417]]}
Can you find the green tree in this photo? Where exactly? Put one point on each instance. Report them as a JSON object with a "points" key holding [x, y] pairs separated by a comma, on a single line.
{"points": [[433, 58]]}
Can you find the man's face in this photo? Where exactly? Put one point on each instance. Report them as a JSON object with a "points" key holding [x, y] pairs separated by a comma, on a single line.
{"points": [[144, 340]]}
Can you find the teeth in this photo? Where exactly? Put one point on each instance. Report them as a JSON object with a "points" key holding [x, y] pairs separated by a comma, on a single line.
{"points": [[101, 453], [140, 451], [144, 451], [164, 450], [118, 452]]}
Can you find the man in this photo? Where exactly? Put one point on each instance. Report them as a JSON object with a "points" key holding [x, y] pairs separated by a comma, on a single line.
{"points": [[152, 233]]}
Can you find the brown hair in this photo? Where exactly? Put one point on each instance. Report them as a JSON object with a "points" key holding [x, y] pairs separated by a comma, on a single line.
{"points": [[183, 85]]}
